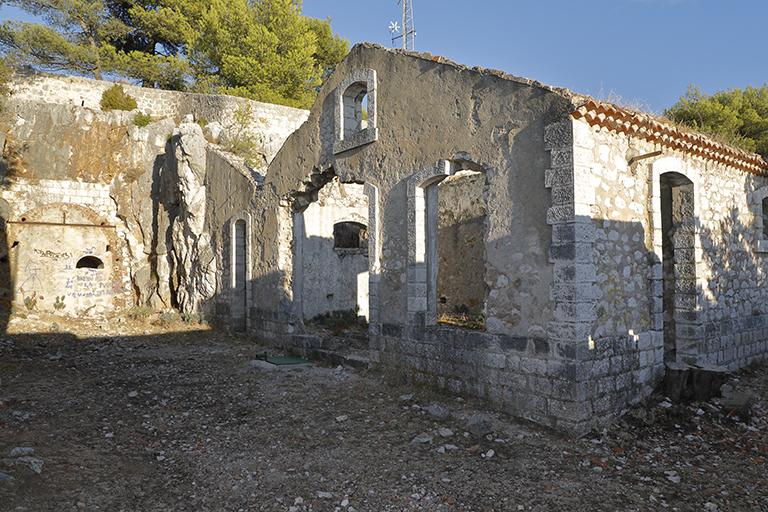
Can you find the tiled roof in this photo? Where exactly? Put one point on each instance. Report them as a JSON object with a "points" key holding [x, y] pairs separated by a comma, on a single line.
{"points": [[606, 115]]}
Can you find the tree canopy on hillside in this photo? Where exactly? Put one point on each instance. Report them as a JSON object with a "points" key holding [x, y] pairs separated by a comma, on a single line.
{"points": [[264, 50], [738, 116], [260, 49]]}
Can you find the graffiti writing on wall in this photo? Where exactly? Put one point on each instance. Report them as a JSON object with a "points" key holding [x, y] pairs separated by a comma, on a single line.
{"points": [[32, 283], [92, 283], [54, 255]]}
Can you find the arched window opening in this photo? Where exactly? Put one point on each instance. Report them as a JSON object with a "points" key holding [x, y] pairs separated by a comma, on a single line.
{"points": [[239, 271], [90, 262], [355, 111], [355, 101], [350, 235]]}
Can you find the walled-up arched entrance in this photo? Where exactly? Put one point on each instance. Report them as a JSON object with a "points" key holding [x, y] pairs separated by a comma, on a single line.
{"points": [[239, 270], [64, 257]]}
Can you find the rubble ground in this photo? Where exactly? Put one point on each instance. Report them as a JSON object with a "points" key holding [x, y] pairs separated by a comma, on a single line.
{"points": [[126, 415]]}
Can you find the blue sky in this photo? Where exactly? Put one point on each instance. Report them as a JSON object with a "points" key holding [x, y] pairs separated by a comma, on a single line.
{"points": [[647, 50], [644, 50]]}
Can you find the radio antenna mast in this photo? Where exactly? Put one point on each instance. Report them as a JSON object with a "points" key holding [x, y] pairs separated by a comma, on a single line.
{"points": [[409, 33]]}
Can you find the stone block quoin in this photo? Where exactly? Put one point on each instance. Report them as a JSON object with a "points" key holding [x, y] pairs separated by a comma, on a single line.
{"points": [[573, 290]]}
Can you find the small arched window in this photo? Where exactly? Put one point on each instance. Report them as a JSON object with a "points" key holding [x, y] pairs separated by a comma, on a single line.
{"points": [[355, 110], [89, 262]]}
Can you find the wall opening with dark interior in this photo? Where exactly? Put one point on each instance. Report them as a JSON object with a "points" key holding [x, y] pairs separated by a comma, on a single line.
{"points": [[678, 261], [89, 262], [461, 286], [350, 235], [764, 214], [239, 275]]}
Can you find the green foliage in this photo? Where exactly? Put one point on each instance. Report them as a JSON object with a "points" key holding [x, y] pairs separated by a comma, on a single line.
{"points": [[259, 49], [461, 316], [194, 318], [5, 76], [264, 50], [73, 38], [337, 321], [202, 122], [241, 140], [141, 314], [141, 120], [169, 317], [58, 305], [737, 116], [90, 37], [115, 98], [30, 301]]}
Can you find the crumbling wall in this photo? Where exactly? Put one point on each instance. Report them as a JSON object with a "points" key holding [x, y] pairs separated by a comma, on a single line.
{"points": [[334, 273], [165, 191], [494, 127]]}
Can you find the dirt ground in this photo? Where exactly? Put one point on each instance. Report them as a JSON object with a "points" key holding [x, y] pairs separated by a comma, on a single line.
{"points": [[127, 415]]}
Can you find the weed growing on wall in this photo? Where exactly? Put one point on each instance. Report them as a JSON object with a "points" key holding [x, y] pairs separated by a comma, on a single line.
{"points": [[193, 318], [58, 305], [115, 98], [30, 301], [141, 314], [241, 140], [5, 76], [461, 316], [141, 120], [337, 321]]}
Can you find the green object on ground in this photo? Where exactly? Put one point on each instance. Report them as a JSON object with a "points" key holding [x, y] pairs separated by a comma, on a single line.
{"points": [[281, 359]]}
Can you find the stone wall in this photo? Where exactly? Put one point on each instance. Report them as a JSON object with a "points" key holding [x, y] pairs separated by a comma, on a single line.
{"points": [[512, 363], [54, 230], [272, 122], [603, 253], [166, 195]]}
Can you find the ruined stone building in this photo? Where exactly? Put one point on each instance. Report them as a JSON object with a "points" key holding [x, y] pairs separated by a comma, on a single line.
{"points": [[583, 244]]}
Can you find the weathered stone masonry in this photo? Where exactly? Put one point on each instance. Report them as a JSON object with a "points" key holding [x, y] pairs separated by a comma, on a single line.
{"points": [[613, 243], [109, 215], [598, 243]]}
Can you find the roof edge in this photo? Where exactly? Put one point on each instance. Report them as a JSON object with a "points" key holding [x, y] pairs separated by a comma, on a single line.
{"points": [[652, 129]]}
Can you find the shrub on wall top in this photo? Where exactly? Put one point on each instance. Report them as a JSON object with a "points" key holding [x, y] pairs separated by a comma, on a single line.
{"points": [[115, 98]]}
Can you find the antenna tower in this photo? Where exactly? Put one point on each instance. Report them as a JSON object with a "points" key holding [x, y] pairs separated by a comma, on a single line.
{"points": [[409, 33]]}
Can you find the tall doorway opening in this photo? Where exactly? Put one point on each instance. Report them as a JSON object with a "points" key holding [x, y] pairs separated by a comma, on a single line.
{"points": [[678, 265], [239, 280]]}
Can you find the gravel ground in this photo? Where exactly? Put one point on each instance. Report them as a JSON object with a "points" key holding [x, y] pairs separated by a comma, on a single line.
{"points": [[125, 415]]}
